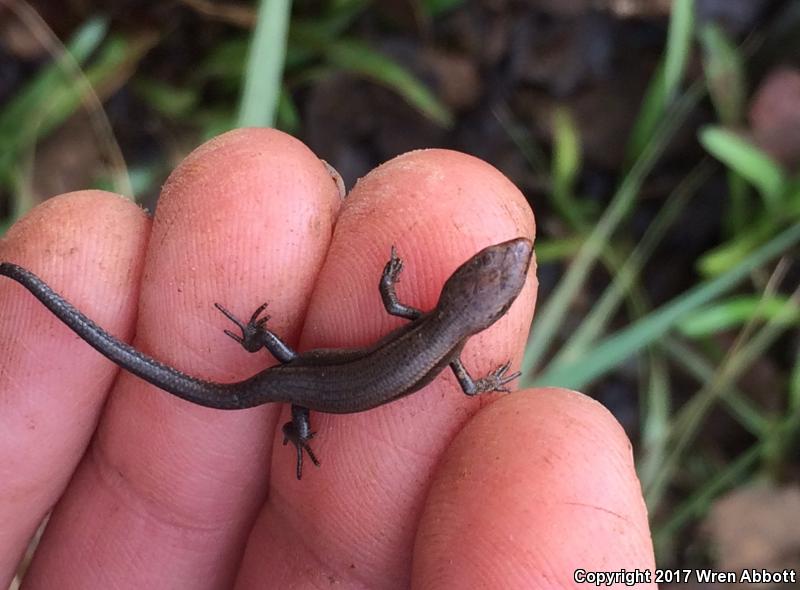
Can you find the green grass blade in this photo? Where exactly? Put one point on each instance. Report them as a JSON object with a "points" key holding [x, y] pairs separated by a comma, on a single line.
{"points": [[679, 45], [437, 7], [737, 403], [666, 80], [524, 141], [168, 99], [557, 249], [723, 64], [351, 55], [655, 410], [627, 342], [21, 118], [748, 161], [739, 213], [697, 505], [728, 255], [264, 73], [794, 385], [359, 58], [566, 166], [734, 312], [724, 69], [650, 114]]}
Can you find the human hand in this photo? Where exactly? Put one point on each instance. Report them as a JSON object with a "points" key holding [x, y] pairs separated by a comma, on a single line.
{"points": [[151, 491]]}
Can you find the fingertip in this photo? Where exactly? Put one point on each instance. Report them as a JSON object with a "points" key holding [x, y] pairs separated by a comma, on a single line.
{"points": [[87, 245], [536, 486], [435, 208], [436, 198], [240, 171], [68, 225], [246, 216]]}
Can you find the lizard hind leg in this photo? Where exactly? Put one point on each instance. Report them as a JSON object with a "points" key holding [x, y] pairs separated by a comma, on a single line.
{"points": [[298, 432]]}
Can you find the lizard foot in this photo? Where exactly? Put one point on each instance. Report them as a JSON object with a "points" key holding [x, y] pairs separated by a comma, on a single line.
{"points": [[252, 338], [290, 434], [496, 380]]}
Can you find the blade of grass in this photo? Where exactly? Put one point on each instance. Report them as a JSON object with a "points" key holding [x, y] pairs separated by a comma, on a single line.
{"points": [[734, 311], [523, 140], [666, 80], [566, 166], [438, 7], [723, 64], [357, 57], [738, 404], [794, 385], [170, 100], [351, 55], [748, 161], [225, 63], [556, 249], [697, 504], [655, 410], [732, 252], [617, 348], [724, 69], [61, 88], [738, 215], [264, 73], [20, 118], [679, 45]]}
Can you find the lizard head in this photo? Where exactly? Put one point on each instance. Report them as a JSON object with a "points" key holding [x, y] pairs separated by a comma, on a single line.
{"points": [[482, 289]]}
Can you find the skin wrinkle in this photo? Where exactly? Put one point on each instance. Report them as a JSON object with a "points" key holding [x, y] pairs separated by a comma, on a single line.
{"points": [[282, 522], [337, 537], [203, 361], [145, 506], [393, 447], [623, 518], [201, 487]]}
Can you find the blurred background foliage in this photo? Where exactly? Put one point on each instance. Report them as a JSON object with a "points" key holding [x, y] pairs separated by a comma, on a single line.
{"points": [[658, 142]]}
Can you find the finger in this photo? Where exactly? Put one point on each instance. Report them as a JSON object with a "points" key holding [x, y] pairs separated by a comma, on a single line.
{"points": [[438, 208], [89, 246], [536, 487], [245, 218]]}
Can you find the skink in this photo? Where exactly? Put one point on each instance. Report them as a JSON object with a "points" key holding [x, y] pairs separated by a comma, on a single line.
{"points": [[339, 381]]}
